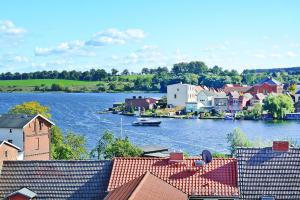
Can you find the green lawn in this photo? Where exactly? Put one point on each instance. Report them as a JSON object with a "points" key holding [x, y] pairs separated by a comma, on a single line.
{"points": [[46, 82]]}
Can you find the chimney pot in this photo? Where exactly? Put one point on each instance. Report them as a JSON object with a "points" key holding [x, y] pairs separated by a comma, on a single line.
{"points": [[176, 157], [280, 146]]}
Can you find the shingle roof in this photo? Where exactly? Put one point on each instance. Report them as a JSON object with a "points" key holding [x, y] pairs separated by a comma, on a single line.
{"points": [[265, 172], [146, 187], [219, 178], [18, 120], [14, 121], [270, 81], [72, 180]]}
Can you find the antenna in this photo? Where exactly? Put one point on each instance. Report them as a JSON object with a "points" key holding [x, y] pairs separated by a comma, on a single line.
{"points": [[121, 127], [206, 156]]}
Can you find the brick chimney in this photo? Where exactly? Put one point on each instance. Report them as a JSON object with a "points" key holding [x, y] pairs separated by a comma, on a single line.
{"points": [[281, 146], [176, 157]]}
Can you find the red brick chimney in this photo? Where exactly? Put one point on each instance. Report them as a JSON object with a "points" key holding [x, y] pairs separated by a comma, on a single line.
{"points": [[281, 146], [176, 157]]}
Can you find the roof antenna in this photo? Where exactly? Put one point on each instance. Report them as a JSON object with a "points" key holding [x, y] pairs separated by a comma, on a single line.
{"points": [[121, 127]]}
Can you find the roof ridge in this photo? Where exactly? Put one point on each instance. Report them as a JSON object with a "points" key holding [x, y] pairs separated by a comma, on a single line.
{"points": [[139, 185]]}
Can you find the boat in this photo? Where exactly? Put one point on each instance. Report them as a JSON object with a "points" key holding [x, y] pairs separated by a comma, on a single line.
{"points": [[146, 122], [229, 117]]}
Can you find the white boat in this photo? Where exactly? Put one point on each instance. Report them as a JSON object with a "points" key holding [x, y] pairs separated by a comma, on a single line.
{"points": [[146, 122]]}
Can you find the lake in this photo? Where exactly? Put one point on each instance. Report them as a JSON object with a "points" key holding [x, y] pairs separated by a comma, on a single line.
{"points": [[77, 112]]}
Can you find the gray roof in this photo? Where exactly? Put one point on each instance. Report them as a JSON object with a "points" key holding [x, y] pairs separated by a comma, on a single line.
{"points": [[25, 192], [263, 172], [270, 81], [15, 121], [72, 180]]}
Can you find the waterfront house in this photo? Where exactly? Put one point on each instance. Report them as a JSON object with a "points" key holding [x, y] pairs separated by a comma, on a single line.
{"points": [[179, 94], [216, 180], [220, 102], [257, 98], [267, 86], [234, 105], [59, 180], [297, 107], [297, 94], [31, 133], [269, 173], [140, 103], [206, 100]]}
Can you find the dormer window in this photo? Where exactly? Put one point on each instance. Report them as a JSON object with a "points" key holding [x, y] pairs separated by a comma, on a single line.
{"points": [[267, 198], [10, 130]]}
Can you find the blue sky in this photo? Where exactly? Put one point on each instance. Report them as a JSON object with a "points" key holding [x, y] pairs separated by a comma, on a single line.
{"points": [[57, 35]]}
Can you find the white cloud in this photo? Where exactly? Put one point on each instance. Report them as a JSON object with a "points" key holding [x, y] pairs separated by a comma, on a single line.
{"points": [[115, 36], [275, 55], [64, 47], [8, 28], [291, 54], [79, 47], [12, 58]]}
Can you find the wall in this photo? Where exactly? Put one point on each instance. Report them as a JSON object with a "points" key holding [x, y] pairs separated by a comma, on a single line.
{"points": [[37, 140], [221, 104], [12, 153], [16, 136], [184, 93]]}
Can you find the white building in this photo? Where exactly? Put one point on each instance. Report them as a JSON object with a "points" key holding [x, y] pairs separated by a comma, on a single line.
{"points": [[179, 94], [297, 94]]}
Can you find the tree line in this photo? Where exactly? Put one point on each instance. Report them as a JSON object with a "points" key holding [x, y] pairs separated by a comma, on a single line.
{"points": [[157, 79]]}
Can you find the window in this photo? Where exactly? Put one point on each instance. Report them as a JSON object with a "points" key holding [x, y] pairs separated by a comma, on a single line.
{"points": [[299, 98], [177, 89], [175, 96], [6, 154], [41, 125], [37, 144], [267, 198], [10, 141], [10, 130]]}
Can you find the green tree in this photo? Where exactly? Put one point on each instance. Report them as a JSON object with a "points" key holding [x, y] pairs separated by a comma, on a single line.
{"points": [[293, 88], [236, 139], [69, 147], [57, 87], [109, 147], [31, 108], [278, 105]]}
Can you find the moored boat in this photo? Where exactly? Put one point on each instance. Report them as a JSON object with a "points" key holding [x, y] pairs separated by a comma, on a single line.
{"points": [[146, 122]]}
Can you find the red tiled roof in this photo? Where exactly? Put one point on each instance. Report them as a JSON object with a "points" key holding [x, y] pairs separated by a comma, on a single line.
{"points": [[219, 178], [146, 187]]}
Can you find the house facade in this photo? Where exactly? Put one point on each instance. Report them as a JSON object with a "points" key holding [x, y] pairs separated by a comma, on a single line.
{"points": [[179, 94], [8, 151], [32, 134], [234, 104], [297, 94], [140, 103], [220, 102]]}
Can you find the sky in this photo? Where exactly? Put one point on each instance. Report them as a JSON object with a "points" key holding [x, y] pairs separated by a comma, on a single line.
{"points": [[132, 34]]}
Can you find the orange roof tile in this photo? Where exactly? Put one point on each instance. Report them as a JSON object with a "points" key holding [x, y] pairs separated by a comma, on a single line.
{"points": [[146, 187], [218, 178]]}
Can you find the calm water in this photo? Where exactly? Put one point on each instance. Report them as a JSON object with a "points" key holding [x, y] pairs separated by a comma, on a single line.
{"points": [[78, 113]]}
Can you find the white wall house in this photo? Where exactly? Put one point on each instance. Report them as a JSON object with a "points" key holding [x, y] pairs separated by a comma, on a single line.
{"points": [[297, 94], [179, 94]]}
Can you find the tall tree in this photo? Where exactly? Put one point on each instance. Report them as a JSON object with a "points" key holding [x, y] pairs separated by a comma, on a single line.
{"points": [[31, 108], [278, 105]]}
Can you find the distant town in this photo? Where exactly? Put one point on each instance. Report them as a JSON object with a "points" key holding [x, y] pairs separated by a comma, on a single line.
{"points": [[232, 101]]}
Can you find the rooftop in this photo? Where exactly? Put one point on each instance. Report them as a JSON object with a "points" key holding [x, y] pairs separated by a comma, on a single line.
{"points": [[17, 120], [72, 180], [270, 81], [219, 178], [264, 172], [147, 187]]}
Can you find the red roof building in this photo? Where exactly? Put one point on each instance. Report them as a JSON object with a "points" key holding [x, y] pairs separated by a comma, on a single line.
{"points": [[146, 187], [216, 179]]}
